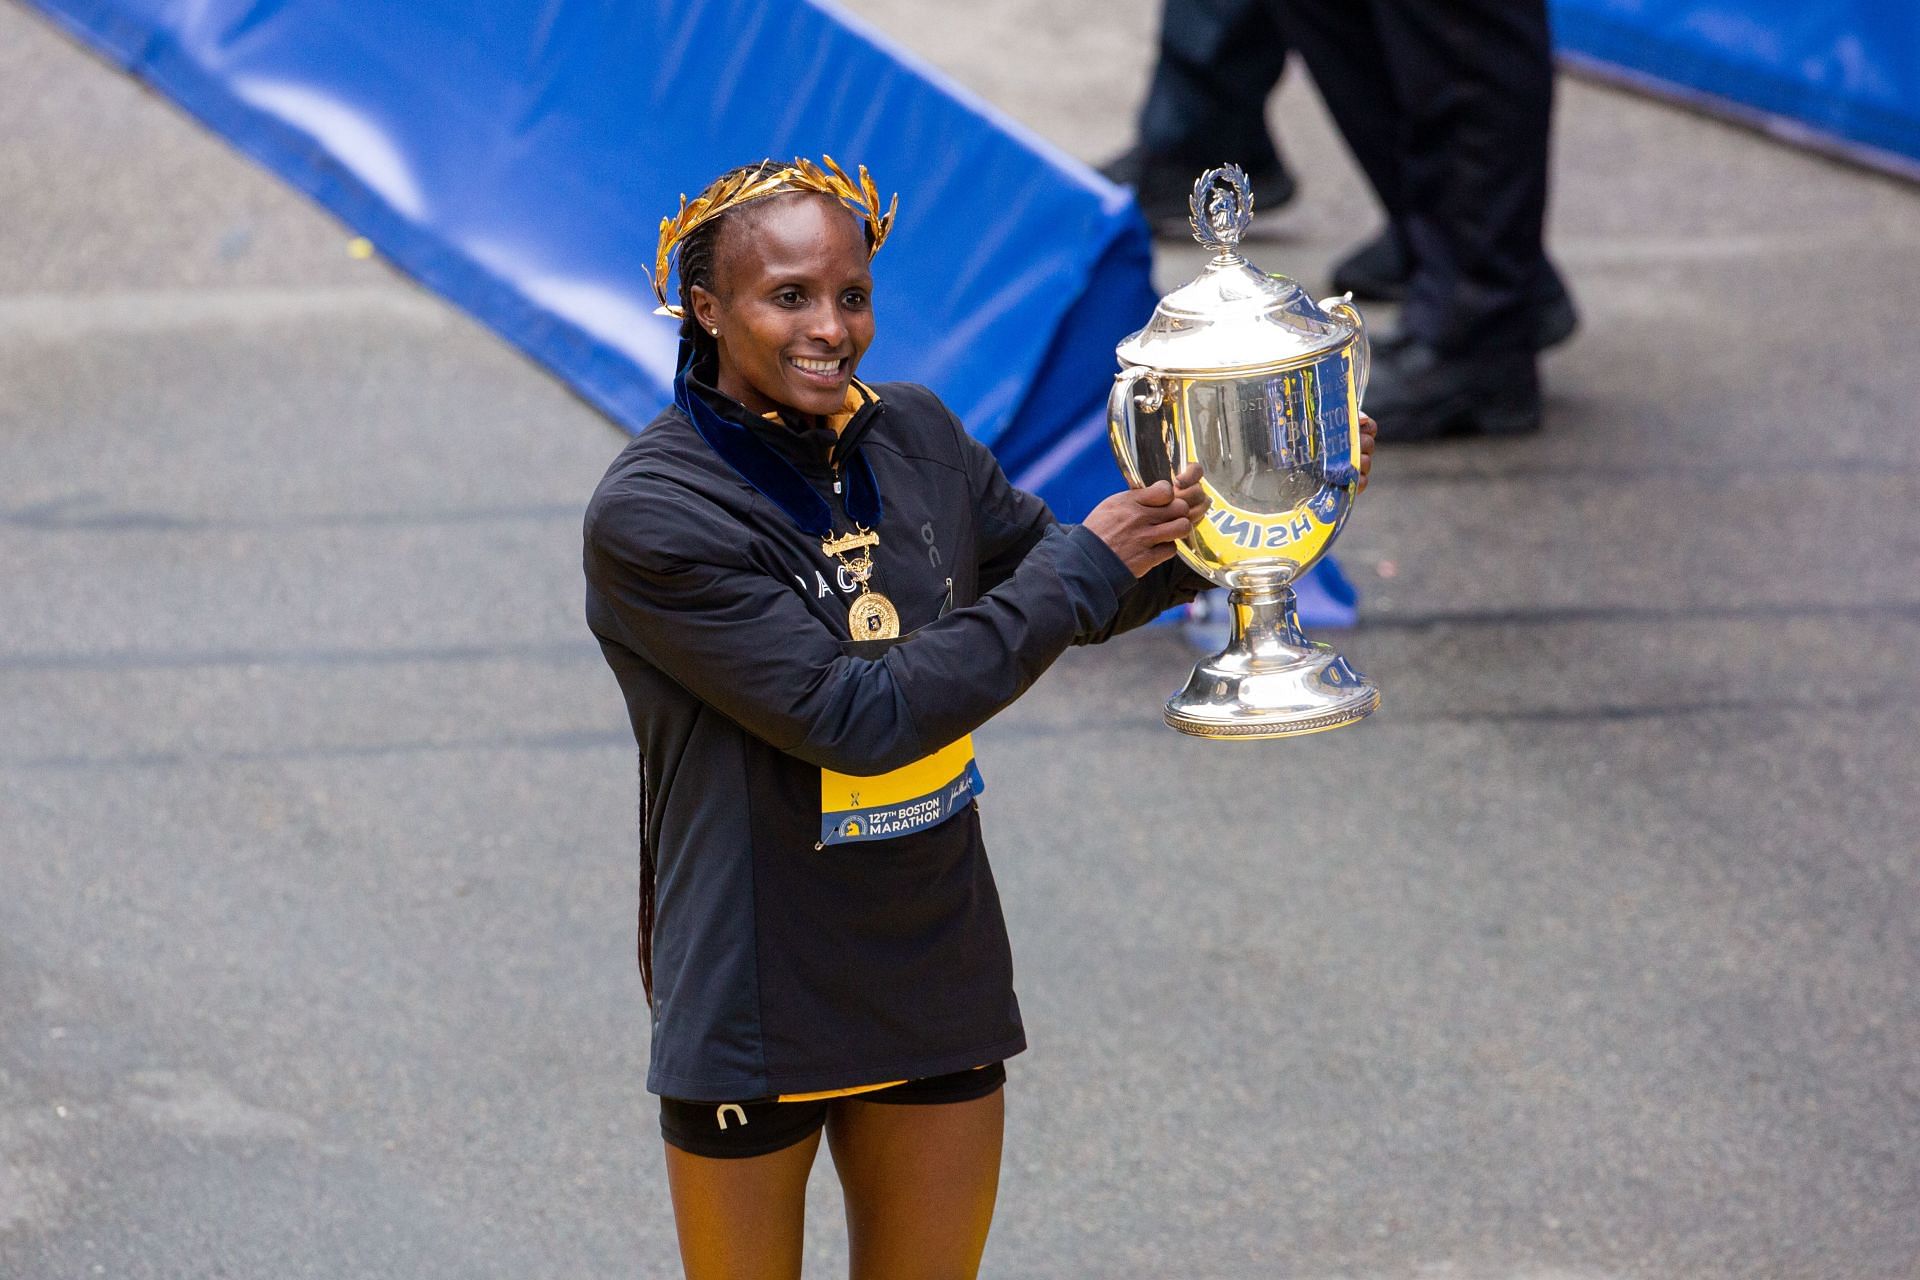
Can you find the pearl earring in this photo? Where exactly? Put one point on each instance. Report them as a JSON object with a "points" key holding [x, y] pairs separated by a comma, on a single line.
{"points": [[714, 332]]}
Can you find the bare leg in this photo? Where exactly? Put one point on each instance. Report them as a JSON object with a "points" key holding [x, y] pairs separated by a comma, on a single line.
{"points": [[741, 1219], [919, 1182]]}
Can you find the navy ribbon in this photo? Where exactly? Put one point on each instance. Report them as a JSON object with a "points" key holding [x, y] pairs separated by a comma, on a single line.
{"points": [[772, 476]]}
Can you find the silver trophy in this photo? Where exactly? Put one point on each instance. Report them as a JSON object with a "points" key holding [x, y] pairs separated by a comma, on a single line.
{"points": [[1245, 374]]}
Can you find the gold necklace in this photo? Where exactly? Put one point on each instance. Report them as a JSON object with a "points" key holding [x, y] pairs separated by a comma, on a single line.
{"points": [[871, 616]]}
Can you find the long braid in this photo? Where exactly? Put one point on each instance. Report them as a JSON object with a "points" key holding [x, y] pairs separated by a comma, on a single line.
{"points": [[696, 268], [648, 873]]}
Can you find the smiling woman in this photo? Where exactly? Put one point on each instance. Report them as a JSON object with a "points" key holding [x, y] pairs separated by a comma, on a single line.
{"points": [[790, 304], [795, 314], [820, 937]]}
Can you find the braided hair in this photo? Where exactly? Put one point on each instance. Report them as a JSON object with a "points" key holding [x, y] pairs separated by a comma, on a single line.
{"points": [[697, 258]]}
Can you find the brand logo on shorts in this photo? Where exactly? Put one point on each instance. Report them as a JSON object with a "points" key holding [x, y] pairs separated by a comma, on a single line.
{"points": [[720, 1114]]}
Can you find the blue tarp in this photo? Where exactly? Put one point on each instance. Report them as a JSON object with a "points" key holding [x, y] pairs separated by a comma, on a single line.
{"points": [[1845, 73], [518, 158]]}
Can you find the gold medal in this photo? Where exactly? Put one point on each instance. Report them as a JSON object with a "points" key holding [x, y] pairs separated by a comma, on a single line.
{"points": [[873, 617]]}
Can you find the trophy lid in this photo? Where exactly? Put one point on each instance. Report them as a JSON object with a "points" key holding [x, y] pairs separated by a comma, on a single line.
{"points": [[1232, 316]]}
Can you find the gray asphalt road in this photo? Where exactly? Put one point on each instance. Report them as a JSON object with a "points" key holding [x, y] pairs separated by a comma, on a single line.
{"points": [[1591, 956]]}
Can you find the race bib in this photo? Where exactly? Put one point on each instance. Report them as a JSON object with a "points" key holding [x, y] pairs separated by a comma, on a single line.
{"points": [[911, 798]]}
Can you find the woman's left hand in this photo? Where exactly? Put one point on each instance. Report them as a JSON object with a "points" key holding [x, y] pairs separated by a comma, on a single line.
{"points": [[1368, 430]]}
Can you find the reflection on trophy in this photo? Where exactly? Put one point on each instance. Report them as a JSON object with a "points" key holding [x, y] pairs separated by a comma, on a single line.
{"points": [[1244, 374]]}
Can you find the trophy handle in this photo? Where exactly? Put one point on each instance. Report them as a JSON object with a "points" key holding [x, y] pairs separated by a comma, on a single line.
{"points": [[1123, 406], [1343, 307]]}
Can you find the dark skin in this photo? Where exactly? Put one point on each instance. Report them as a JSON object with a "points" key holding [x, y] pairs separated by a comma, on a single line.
{"points": [[792, 312], [792, 304], [919, 1184]]}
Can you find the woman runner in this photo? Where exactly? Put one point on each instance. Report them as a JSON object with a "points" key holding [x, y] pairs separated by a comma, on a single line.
{"points": [[811, 591]]}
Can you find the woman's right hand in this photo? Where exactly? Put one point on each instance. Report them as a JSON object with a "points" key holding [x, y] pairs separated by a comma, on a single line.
{"points": [[1141, 525]]}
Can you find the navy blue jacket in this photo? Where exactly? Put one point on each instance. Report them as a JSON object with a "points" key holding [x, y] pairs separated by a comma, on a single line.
{"points": [[780, 965]]}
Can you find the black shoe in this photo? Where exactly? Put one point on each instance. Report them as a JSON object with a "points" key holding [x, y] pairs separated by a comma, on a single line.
{"points": [[1555, 320], [1124, 169], [1378, 271], [1164, 185], [1418, 394]]}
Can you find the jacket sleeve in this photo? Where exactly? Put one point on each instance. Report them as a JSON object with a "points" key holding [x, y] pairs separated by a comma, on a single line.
{"points": [[1011, 521], [734, 632], [1163, 587]]}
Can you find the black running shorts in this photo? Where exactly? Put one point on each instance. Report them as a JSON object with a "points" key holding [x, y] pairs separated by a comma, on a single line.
{"points": [[732, 1130]]}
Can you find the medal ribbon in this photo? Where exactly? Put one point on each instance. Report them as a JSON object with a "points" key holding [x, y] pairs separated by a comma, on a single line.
{"points": [[772, 476]]}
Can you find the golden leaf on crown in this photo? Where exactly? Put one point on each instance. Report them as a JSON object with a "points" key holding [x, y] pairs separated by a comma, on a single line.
{"points": [[828, 179]]}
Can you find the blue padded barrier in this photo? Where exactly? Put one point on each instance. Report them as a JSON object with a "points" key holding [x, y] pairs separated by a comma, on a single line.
{"points": [[1840, 74]]}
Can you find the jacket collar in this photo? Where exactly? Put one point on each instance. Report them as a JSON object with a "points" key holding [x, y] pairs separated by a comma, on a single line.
{"points": [[770, 456]]}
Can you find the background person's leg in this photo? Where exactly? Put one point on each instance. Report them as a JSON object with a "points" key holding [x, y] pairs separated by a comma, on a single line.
{"points": [[1388, 68], [741, 1219], [1474, 85], [1340, 42], [1218, 64], [1447, 106], [920, 1182]]}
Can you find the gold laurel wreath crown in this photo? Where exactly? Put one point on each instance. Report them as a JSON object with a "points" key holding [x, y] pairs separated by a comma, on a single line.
{"points": [[827, 178]]}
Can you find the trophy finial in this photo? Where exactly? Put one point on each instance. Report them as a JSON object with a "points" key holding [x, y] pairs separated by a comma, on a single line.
{"points": [[1221, 208]]}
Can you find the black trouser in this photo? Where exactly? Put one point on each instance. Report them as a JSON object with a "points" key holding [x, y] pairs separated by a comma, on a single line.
{"points": [[1446, 104], [1219, 61]]}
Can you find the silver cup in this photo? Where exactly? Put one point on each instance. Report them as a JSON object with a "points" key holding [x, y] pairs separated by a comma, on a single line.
{"points": [[1246, 375]]}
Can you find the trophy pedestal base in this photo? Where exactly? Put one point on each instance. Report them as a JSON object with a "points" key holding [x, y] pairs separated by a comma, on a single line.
{"points": [[1270, 681]]}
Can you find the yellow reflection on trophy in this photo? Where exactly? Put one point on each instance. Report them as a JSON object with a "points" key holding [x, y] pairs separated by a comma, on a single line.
{"points": [[1237, 544]]}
